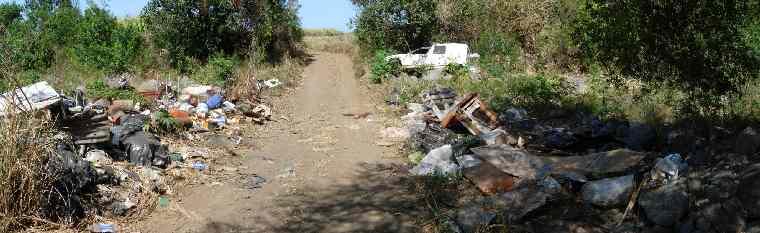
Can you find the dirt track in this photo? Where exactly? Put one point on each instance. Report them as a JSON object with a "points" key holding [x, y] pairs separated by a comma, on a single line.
{"points": [[323, 170]]}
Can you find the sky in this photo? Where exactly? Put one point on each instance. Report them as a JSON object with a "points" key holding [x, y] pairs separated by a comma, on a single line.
{"points": [[314, 13]]}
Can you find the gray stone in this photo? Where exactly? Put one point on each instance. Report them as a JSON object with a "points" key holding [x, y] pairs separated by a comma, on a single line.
{"points": [[753, 227], [723, 216], [608, 192], [665, 205], [513, 161], [474, 218], [748, 142], [639, 136], [749, 190]]}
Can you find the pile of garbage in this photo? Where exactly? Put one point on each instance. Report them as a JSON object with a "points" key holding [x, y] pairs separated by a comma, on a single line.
{"points": [[109, 154], [585, 176]]}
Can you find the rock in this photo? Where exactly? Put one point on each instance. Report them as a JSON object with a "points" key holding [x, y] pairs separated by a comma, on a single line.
{"points": [[639, 136], [723, 216], [514, 115], [665, 205], [747, 142], [98, 157], [559, 138], [753, 227], [601, 164], [516, 162], [468, 161], [680, 141], [489, 179], [474, 218], [515, 204], [749, 190], [608, 192], [437, 161]]}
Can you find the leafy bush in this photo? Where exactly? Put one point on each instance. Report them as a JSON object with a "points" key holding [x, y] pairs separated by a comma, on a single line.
{"points": [[9, 12], [98, 89], [696, 48], [457, 70], [103, 43], [399, 25], [217, 72], [26, 48], [188, 29], [382, 68], [499, 53]]}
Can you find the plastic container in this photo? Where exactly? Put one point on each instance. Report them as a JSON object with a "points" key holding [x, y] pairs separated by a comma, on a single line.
{"points": [[215, 101]]}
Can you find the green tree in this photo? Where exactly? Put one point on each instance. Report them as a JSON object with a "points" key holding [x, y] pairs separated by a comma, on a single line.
{"points": [[9, 12], [695, 45], [399, 25]]}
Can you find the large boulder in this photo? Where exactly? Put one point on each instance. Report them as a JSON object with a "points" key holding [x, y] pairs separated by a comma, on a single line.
{"points": [[665, 205], [747, 142], [608, 192], [749, 190], [516, 162], [639, 136]]}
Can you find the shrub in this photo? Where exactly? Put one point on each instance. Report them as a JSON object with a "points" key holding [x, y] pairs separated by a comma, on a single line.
{"points": [[696, 48], [98, 89], [500, 53], [103, 43], [9, 12], [382, 68], [399, 25], [188, 29], [217, 72]]}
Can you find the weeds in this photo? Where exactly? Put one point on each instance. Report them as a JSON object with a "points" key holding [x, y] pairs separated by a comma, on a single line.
{"points": [[342, 44], [245, 84], [382, 68], [25, 177], [98, 89]]}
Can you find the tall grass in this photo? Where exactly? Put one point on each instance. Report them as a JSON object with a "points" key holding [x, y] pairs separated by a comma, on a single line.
{"points": [[342, 43], [244, 86], [25, 179]]}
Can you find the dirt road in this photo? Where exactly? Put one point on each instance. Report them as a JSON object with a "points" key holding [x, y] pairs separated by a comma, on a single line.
{"points": [[323, 170]]}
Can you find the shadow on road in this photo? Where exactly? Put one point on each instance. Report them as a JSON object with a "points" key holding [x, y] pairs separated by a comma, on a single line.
{"points": [[380, 199]]}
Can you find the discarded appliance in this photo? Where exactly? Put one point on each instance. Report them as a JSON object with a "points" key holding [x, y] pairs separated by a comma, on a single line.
{"points": [[33, 97]]}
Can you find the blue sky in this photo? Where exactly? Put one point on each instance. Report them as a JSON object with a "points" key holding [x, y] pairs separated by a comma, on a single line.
{"points": [[314, 13]]}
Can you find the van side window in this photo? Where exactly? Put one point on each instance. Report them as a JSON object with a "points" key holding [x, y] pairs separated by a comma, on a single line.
{"points": [[439, 49]]}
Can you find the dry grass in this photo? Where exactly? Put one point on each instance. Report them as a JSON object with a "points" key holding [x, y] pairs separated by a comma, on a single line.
{"points": [[343, 44], [322, 32], [244, 86], [24, 175]]}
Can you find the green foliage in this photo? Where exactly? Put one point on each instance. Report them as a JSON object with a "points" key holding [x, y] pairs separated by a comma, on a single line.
{"points": [[163, 123], [457, 70], [188, 28], [98, 89], [103, 43], [218, 71], [22, 79], [382, 68], [9, 12], [499, 53], [399, 25], [26, 48], [694, 46]]}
